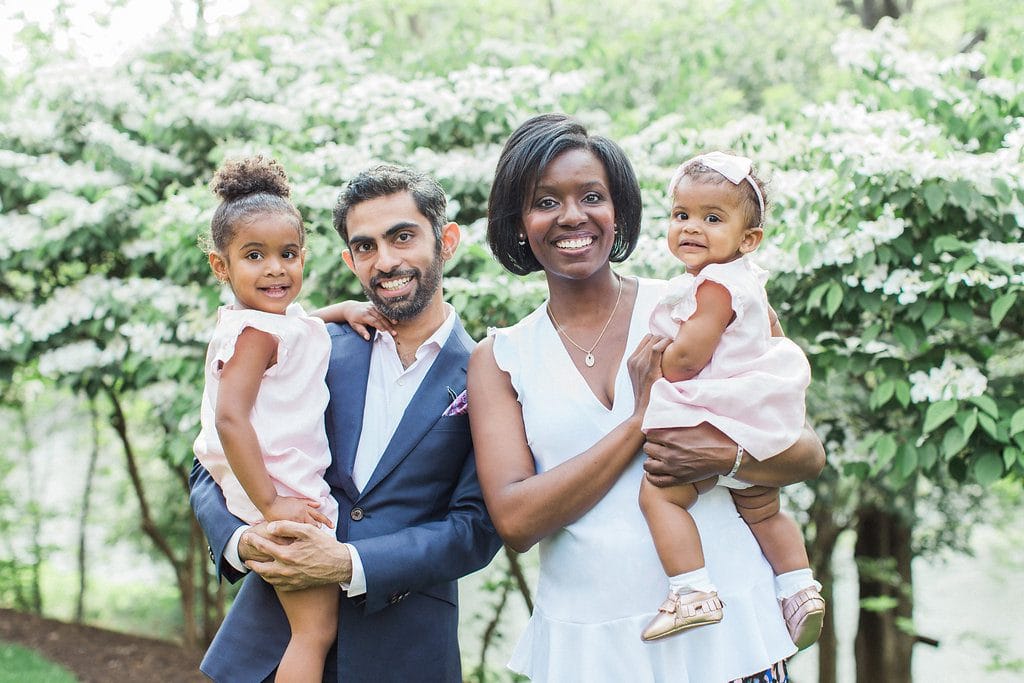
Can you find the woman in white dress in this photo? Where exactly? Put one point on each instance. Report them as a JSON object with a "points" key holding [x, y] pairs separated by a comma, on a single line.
{"points": [[558, 401]]}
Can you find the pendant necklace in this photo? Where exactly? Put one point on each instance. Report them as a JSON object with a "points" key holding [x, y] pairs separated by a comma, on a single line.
{"points": [[589, 358]]}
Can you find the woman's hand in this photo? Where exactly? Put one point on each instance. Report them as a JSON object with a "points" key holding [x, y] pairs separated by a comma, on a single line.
{"points": [[644, 366], [685, 455]]}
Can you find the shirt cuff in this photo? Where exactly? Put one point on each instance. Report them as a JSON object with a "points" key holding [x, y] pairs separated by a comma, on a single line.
{"points": [[231, 555], [357, 586]]}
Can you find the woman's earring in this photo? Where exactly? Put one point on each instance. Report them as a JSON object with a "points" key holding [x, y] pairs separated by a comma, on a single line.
{"points": [[522, 240]]}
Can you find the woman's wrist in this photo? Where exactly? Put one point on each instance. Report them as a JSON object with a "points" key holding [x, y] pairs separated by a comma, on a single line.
{"points": [[737, 462]]}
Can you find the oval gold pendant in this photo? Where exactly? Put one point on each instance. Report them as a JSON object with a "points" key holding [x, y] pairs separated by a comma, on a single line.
{"points": [[589, 360]]}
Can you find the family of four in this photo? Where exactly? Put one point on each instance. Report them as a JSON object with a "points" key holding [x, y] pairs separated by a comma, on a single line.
{"points": [[354, 463]]}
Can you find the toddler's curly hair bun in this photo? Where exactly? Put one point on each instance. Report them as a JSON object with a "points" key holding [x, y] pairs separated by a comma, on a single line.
{"points": [[250, 175], [249, 187]]}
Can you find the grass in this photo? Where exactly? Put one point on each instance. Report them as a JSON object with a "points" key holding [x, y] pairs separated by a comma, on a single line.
{"points": [[19, 665]]}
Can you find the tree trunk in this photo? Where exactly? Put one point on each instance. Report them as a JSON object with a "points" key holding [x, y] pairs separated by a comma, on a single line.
{"points": [[826, 534], [34, 595], [83, 521], [183, 569], [870, 12], [883, 552]]}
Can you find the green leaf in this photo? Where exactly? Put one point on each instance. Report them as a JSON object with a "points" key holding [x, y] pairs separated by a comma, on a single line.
{"points": [[903, 393], [934, 198], [833, 299], [907, 461], [927, 455], [906, 337], [1017, 422], [932, 315], [962, 194], [1002, 306], [947, 243], [968, 421], [806, 253], [938, 413], [988, 469], [882, 393], [885, 451], [814, 298], [953, 442], [989, 425], [1010, 456], [960, 311], [986, 403]]}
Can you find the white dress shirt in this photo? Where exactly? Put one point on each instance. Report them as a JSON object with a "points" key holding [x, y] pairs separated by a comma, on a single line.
{"points": [[389, 390]]}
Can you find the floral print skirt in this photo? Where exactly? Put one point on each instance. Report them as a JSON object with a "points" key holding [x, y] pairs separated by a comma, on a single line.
{"points": [[776, 674]]}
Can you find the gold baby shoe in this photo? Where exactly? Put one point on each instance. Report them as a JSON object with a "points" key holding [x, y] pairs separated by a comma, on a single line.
{"points": [[804, 613], [682, 612]]}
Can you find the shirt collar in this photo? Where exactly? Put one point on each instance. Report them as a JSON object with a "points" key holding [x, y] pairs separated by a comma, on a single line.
{"points": [[437, 339]]}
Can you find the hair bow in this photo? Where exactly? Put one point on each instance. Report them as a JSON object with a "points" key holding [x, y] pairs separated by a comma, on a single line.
{"points": [[733, 168]]}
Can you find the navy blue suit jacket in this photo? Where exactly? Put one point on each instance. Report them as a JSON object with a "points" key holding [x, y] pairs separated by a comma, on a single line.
{"points": [[419, 524]]}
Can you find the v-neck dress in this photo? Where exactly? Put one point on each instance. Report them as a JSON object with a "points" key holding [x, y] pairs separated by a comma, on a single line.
{"points": [[600, 579]]}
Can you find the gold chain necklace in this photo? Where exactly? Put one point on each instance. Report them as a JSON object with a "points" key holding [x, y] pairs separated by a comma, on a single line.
{"points": [[589, 358]]}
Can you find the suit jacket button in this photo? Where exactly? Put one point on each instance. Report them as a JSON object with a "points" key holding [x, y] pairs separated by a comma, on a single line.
{"points": [[356, 514]]}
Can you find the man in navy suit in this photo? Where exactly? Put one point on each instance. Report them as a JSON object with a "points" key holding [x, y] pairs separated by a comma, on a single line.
{"points": [[412, 518]]}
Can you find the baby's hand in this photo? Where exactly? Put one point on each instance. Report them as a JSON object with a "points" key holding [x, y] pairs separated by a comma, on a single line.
{"points": [[297, 510], [359, 315]]}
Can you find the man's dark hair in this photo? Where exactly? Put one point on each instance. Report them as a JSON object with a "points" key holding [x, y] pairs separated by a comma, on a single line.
{"points": [[386, 180], [526, 155]]}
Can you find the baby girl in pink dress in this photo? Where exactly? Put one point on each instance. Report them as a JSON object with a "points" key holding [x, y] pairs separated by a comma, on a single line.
{"points": [[725, 368]]}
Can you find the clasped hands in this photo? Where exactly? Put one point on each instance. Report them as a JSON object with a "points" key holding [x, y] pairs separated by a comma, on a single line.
{"points": [[687, 455], [293, 556]]}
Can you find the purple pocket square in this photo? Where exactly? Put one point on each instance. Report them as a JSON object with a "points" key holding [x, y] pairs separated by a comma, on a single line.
{"points": [[459, 405]]}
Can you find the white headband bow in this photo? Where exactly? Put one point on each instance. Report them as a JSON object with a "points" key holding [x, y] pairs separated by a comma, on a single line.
{"points": [[733, 168]]}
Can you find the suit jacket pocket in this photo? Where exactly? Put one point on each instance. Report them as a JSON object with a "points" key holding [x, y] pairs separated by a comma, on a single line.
{"points": [[453, 423]]}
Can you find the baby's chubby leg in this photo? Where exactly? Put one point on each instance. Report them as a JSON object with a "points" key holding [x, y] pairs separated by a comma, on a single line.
{"points": [[776, 532], [672, 528], [693, 600]]}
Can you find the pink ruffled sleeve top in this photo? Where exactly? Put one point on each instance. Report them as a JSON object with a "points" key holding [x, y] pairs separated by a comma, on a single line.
{"points": [[288, 415]]}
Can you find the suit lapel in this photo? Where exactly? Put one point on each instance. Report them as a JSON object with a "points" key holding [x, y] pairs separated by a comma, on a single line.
{"points": [[427, 404], [347, 375]]}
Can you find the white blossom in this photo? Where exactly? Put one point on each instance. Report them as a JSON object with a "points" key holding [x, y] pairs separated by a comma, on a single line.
{"points": [[948, 381]]}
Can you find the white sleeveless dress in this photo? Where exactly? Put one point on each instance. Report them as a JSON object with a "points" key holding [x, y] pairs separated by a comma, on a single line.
{"points": [[600, 579]]}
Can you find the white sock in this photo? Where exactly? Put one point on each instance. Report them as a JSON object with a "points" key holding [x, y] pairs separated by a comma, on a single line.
{"points": [[688, 582], [791, 583]]}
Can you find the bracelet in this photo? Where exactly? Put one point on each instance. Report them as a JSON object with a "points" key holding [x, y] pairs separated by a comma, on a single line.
{"points": [[739, 459]]}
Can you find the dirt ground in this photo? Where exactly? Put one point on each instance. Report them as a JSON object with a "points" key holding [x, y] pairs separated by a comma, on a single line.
{"points": [[95, 655]]}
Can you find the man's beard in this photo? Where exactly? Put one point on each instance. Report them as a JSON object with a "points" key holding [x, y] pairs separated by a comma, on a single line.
{"points": [[408, 307]]}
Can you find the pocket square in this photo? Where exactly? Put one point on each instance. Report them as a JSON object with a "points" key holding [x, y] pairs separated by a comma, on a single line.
{"points": [[459, 404]]}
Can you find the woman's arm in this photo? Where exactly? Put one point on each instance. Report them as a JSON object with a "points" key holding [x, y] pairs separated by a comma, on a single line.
{"points": [[691, 454], [240, 381], [699, 335], [526, 506]]}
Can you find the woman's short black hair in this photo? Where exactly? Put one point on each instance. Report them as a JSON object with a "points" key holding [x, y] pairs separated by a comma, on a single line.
{"points": [[526, 154]]}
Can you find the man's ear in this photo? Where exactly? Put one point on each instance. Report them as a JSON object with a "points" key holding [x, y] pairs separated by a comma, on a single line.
{"points": [[751, 240], [219, 266], [451, 235], [346, 256]]}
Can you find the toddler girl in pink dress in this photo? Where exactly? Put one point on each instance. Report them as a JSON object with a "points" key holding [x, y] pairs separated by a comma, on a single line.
{"points": [[725, 367], [263, 438]]}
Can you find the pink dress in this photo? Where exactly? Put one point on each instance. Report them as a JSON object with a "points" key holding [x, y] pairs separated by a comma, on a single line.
{"points": [[753, 387], [288, 415]]}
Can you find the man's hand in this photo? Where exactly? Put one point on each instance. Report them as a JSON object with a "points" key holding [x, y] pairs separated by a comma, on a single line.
{"points": [[686, 455], [293, 556]]}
